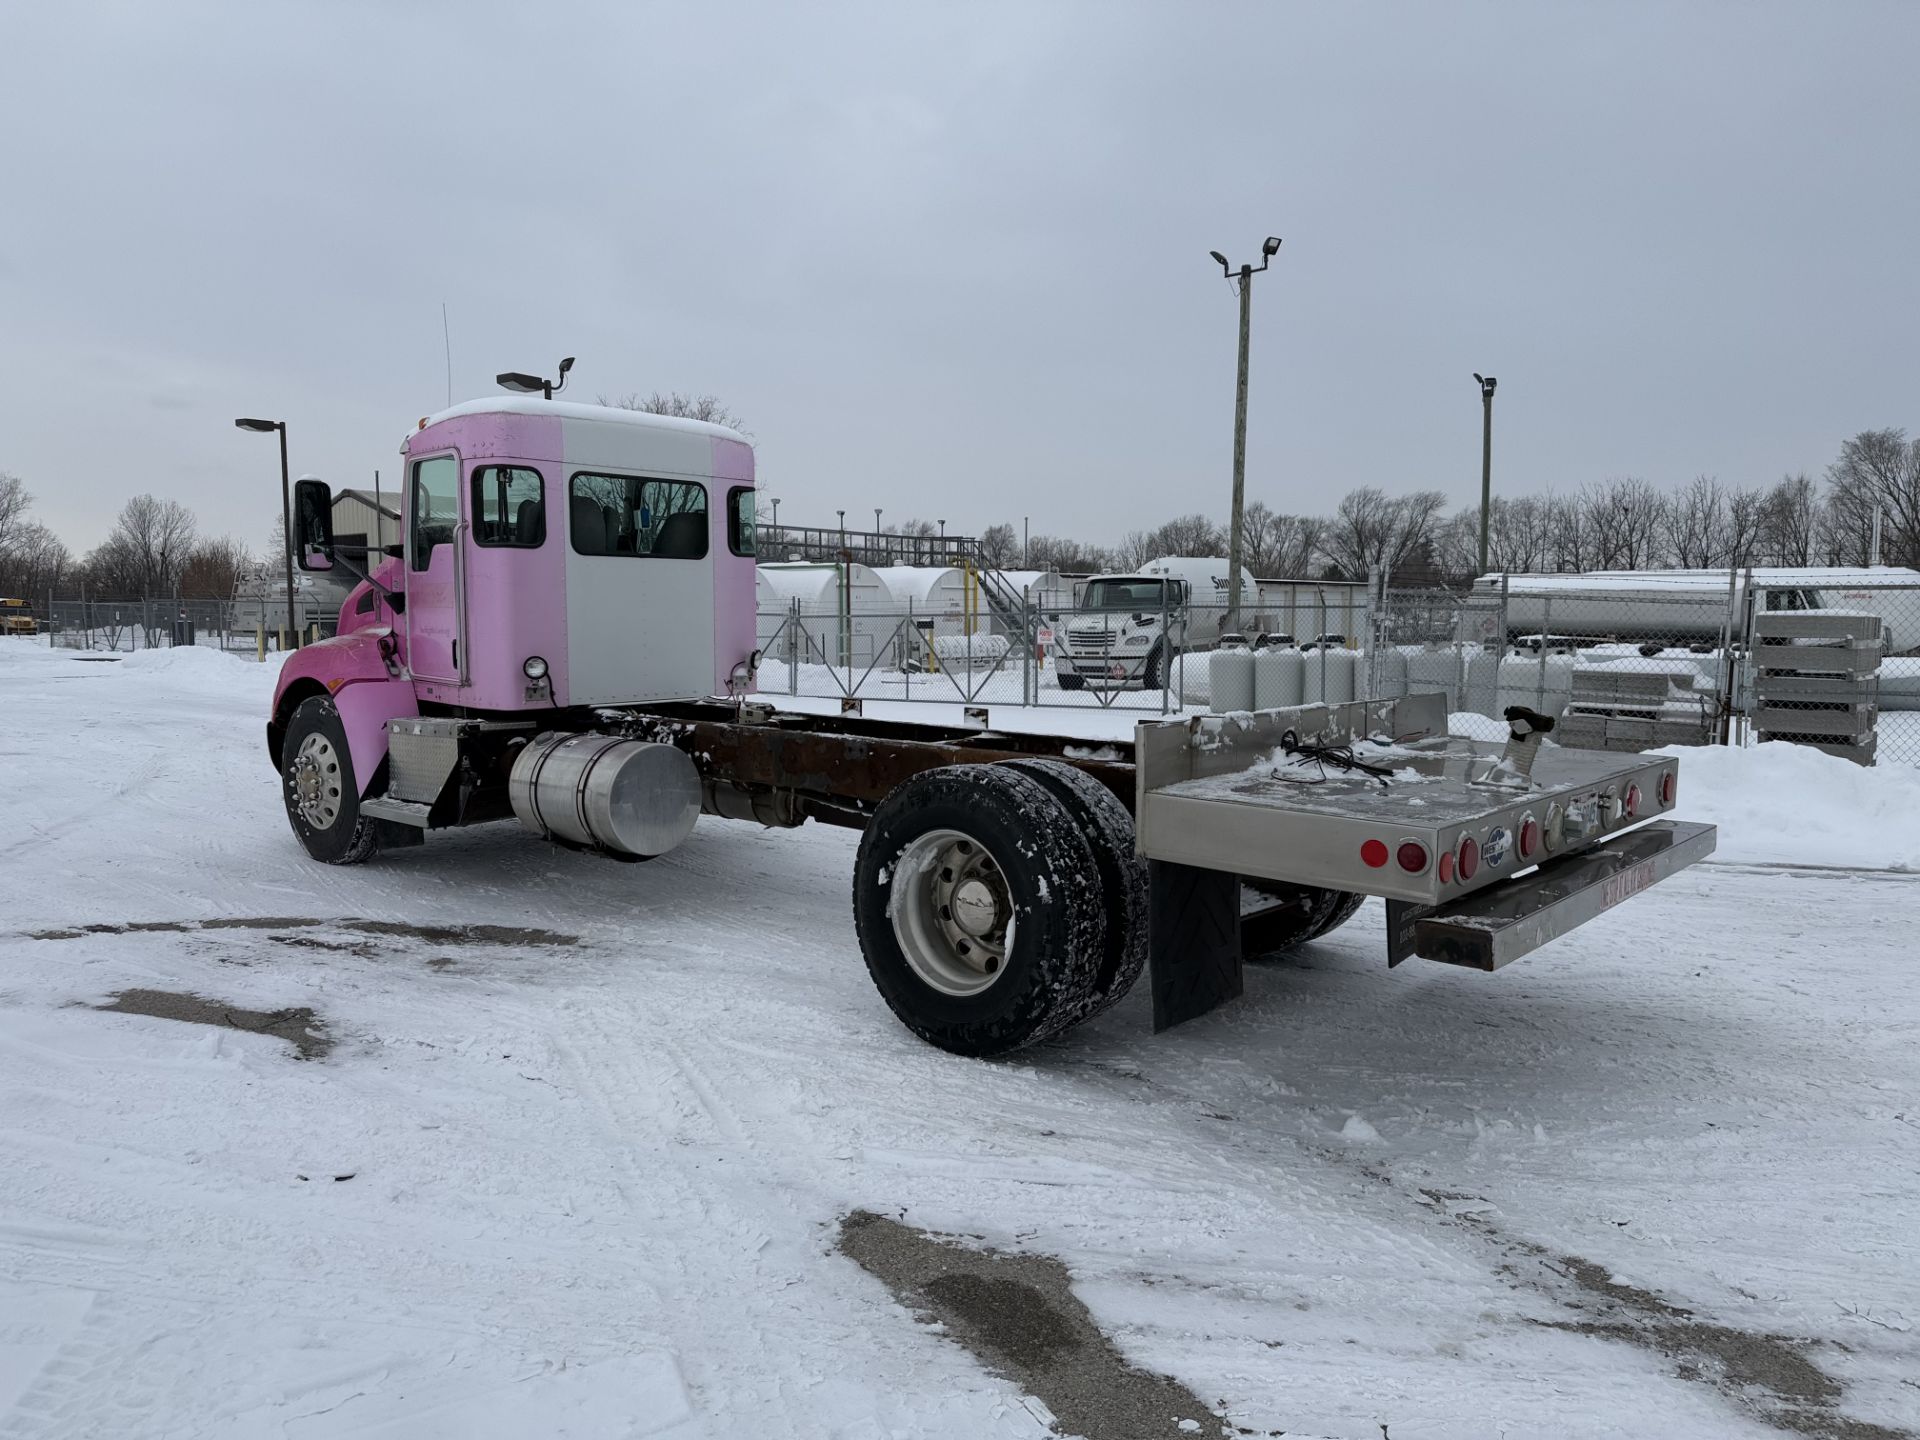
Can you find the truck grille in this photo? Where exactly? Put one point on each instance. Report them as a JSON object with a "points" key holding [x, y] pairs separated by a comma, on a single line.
{"points": [[1090, 637]]}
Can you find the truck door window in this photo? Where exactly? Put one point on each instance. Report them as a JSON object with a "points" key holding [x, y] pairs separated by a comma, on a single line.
{"points": [[741, 536], [433, 507], [509, 507], [630, 515]]}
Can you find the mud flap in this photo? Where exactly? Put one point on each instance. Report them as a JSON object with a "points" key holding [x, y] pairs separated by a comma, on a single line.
{"points": [[1193, 930]]}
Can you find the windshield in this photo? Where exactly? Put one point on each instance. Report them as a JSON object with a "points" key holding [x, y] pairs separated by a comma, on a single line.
{"points": [[1126, 595]]}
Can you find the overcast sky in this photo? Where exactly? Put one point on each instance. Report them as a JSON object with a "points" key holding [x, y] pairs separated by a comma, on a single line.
{"points": [[952, 260]]}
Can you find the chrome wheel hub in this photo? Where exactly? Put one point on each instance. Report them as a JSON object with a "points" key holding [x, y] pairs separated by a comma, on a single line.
{"points": [[951, 912], [313, 782]]}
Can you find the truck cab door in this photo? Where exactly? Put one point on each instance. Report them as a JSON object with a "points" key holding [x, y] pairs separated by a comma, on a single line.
{"points": [[436, 599]]}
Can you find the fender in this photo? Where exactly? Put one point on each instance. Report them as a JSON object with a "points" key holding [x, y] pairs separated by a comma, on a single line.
{"points": [[354, 671]]}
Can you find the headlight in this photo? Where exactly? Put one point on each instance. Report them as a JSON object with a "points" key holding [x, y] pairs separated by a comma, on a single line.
{"points": [[535, 668], [1136, 640]]}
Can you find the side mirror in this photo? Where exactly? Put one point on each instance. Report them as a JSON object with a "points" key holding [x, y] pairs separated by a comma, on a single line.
{"points": [[313, 524]]}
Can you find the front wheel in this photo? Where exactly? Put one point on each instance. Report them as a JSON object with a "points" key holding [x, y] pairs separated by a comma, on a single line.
{"points": [[978, 904], [1072, 682], [1154, 677], [323, 798]]}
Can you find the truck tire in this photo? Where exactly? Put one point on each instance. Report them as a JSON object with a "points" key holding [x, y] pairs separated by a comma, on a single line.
{"points": [[1108, 828], [1303, 913], [977, 901], [1154, 676], [1072, 682], [317, 782]]}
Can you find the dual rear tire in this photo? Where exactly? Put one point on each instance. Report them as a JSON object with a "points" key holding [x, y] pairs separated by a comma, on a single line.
{"points": [[999, 905]]}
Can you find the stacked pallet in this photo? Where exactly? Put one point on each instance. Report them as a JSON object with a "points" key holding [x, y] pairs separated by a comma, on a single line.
{"points": [[1615, 707], [1818, 681]]}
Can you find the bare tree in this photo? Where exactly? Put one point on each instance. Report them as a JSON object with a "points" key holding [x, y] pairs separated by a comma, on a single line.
{"points": [[147, 549], [1000, 546], [1699, 511], [1625, 524], [709, 408], [14, 503], [33, 562], [1876, 469], [1790, 522], [212, 567], [1374, 533], [1069, 557]]}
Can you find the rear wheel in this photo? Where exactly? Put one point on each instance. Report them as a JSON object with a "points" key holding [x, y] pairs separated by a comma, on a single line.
{"points": [[977, 901], [317, 781], [1291, 916], [1108, 829]]}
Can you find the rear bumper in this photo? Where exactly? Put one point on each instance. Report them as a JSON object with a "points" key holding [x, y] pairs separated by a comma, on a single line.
{"points": [[1496, 926]]}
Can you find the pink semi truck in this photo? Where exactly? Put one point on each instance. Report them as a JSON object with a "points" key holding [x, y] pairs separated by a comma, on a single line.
{"points": [[565, 638]]}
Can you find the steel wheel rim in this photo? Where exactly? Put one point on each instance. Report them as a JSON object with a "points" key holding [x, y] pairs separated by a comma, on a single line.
{"points": [[952, 913], [313, 782]]}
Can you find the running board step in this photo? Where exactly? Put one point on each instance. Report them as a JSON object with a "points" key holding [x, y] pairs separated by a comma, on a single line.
{"points": [[401, 812], [1496, 926]]}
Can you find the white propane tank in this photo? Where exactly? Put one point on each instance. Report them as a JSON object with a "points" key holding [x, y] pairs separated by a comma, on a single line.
{"points": [[1279, 679], [1436, 672], [1389, 679], [1525, 681], [1230, 676], [1329, 675], [1483, 683]]}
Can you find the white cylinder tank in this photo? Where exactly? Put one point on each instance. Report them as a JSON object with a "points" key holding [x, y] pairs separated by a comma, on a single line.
{"points": [[1483, 683], [1329, 675], [1279, 679], [1435, 672], [1525, 680], [1230, 676], [1388, 679]]}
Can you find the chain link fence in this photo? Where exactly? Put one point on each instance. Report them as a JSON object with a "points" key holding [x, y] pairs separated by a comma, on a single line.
{"points": [[154, 623]]}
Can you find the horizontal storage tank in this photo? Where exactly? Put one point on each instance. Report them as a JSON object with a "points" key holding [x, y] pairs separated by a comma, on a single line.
{"points": [[846, 614]]}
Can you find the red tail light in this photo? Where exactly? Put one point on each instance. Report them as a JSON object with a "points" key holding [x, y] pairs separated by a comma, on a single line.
{"points": [[1631, 805], [1445, 868], [1669, 783], [1374, 852], [1529, 837], [1469, 858], [1412, 857]]}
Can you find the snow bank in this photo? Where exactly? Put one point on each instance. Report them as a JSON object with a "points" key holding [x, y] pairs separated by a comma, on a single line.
{"points": [[1781, 803]]}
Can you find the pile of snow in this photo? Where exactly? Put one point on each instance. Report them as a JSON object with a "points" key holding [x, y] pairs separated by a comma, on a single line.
{"points": [[1780, 803]]}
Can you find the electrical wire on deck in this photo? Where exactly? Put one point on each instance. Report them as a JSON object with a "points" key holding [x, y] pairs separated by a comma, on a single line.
{"points": [[1340, 757]]}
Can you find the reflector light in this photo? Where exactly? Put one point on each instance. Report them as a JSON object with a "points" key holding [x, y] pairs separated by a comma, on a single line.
{"points": [[1669, 783], [1374, 852], [1469, 858], [1632, 803], [1556, 827], [1529, 837], [1412, 857], [1445, 868]]}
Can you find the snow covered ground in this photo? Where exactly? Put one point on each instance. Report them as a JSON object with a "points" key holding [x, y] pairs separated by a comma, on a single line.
{"points": [[578, 1168]]}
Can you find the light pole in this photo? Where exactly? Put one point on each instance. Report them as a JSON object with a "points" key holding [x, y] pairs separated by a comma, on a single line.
{"points": [[286, 516], [1245, 275], [1487, 382]]}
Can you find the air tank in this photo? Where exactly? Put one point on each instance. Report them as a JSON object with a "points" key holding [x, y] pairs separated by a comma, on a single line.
{"points": [[631, 797], [1279, 679], [1230, 677]]}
